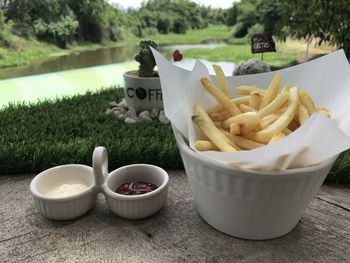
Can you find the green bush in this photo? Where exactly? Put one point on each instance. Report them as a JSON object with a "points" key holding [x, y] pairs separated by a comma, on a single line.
{"points": [[256, 29], [6, 37], [149, 31], [24, 31], [239, 30], [180, 26]]}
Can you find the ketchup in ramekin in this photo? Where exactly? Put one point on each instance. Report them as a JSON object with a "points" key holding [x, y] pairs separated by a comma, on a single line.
{"points": [[135, 188]]}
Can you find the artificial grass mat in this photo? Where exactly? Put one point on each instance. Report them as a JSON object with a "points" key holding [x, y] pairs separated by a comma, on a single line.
{"points": [[36, 137]]}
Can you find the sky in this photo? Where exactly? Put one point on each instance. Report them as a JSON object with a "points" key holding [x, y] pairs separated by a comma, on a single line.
{"points": [[137, 3]]}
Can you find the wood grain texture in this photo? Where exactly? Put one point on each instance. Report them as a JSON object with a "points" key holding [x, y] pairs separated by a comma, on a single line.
{"points": [[175, 234]]}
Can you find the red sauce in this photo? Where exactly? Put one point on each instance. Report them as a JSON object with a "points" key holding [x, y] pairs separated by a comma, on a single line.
{"points": [[135, 188]]}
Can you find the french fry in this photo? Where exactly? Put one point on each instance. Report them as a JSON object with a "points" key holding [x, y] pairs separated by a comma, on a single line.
{"points": [[303, 114], [274, 105], [241, 119], [286, 88], [204, 122], [246, 108], [234, 128], [326, 113], [267, 120], [287, 131], [277, 136], [271, 91], [218, 124], [321, 108], [243, 142], [249, 127], [205, 146], [324, 110], [241, 100], [220, 75], [255, 99], [248, 121], [246, 90], [237, 101], [283, 121], [306, 100], [219, 116], [252, 136], [213, 134], [230, 106]]}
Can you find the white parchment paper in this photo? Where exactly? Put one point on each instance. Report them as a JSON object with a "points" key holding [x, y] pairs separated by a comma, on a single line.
{"points": [[327, 79]]}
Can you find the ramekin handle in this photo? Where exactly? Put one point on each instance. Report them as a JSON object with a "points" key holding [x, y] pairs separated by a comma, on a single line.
{"points": [[100, 165]]}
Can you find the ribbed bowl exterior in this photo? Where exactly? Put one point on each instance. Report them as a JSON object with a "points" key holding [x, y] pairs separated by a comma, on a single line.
{"points": [[68, 209], [250, 205], [136, 209]]}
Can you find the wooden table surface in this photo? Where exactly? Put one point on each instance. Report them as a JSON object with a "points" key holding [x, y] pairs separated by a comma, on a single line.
{"points": [[175, 234]]}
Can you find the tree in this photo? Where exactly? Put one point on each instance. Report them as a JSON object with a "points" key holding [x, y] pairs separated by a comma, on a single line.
{"points": [[244, 15], [61, 31], [324, 20]]}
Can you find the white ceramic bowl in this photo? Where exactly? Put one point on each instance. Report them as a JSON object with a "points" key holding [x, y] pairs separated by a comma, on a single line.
{"points": [[136, 206], [64, 208], [246, 203]]}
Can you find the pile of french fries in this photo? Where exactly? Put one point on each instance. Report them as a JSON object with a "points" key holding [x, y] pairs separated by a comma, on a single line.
{"points": [[257, 118]]}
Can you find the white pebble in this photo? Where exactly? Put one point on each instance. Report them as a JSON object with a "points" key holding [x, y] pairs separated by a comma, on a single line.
{"points": [[144, 113], [116, 114], [121, 117], [131, 114], [163, 119], [113, 104], [145, 119], [121, 110], [108, 111], [123, 104], [130, 120]]}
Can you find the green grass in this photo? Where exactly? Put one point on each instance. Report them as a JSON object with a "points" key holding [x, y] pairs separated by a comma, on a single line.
{"points": [[205, 35], [34, 138], [26, 52], [237, 53]]}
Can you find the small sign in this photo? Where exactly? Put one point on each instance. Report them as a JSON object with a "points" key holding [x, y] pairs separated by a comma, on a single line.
{"points": [[263, 43]]}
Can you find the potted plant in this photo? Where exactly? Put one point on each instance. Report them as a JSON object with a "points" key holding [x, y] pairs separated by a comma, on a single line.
{"points": [[142, 88]]}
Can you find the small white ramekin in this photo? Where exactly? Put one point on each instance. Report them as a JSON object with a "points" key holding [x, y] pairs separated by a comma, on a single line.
{"points": [[64, 208], [136, 206], [246, 203]]}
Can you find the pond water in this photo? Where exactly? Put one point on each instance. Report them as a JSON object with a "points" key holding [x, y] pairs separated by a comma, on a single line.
{"points": [[90, 58], [73, 61]]}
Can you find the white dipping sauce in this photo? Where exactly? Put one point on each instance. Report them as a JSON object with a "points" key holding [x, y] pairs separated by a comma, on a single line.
{"points": [[66, 190]]}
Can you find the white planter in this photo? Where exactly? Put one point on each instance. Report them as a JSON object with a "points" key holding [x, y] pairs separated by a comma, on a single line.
{"points": [[142, 93]]}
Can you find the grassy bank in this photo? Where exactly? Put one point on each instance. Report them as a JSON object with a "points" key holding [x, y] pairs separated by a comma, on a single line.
{"points": [[206, 35], [37, 137], [236, 53], [34, 138], [27, 51]]}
